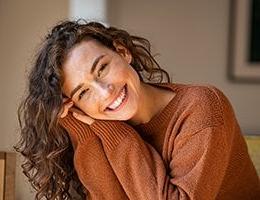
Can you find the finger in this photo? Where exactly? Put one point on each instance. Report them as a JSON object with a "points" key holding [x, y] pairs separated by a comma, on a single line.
{"points": [[76, 110], [66, 108], [65, 99], [83, 118]]}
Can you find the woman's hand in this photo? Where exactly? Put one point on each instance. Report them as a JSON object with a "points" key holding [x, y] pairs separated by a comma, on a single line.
{"points": [[81, 116], [67, 104], [78, 114]]}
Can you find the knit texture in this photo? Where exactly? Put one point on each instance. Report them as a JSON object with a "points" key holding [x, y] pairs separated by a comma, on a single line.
{"points": [[90, 161], [192, 149]]}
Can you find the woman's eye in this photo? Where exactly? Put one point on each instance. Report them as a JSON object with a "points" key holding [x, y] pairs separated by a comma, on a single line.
{"points": [[101, 69], [82, 93]]}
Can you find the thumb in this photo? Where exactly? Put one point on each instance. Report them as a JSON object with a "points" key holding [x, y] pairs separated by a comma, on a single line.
{"points": [[83, 118]]}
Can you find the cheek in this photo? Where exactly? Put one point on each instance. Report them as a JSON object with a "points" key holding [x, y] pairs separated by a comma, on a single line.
{"points": [[133, 78], [126, 73], [120, 69], [84, 105], [90, 106]]}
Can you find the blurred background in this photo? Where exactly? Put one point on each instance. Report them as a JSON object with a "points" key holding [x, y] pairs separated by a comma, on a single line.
{"points": [[191, 38]]}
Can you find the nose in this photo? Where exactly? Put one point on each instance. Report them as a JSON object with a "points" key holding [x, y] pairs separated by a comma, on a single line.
{"points": [[103, 90]]}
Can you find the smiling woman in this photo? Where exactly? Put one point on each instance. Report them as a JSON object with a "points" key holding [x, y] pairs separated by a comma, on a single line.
{"points": [[102, 118]]}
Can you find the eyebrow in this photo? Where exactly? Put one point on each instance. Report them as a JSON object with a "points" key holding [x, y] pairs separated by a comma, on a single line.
{"points": [[93, 68]]}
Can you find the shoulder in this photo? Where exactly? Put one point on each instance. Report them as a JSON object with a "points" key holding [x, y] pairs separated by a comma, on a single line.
{"points": [[200, 106], [196, 92], [203, 96]]}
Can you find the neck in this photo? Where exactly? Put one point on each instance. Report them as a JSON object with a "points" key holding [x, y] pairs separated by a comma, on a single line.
{"points": [[152, 101]]}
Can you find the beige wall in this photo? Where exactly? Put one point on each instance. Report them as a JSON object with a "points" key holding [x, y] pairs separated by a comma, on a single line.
{"points": [[192, 40], [191, 37], [22, 23]]}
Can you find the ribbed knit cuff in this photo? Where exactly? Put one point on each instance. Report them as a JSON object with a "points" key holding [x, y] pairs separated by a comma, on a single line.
{"points": [[111, 133], [77, 130]]}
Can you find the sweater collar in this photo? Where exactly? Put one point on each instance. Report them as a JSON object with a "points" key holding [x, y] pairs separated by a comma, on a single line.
{"points": [[161, 119]]}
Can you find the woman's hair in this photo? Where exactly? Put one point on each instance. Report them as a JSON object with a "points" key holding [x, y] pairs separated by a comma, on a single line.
{"points": [[44, 144]]}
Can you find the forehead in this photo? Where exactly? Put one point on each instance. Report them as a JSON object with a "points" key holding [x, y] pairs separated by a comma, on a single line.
{"points": [[84, 52], [81, 57], [79, 61]]}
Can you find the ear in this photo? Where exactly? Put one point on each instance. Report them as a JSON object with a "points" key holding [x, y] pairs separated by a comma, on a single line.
{"points": [[123, 51]]}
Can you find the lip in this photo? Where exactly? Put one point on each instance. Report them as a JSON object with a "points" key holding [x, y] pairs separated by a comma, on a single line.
{"points": [[125, 99]]}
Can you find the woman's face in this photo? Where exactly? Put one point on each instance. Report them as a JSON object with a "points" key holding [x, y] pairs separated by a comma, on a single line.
{"points": [[101, 82]]}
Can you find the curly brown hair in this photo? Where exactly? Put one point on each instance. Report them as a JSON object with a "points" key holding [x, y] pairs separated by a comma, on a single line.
{"points": [[44, 144]]}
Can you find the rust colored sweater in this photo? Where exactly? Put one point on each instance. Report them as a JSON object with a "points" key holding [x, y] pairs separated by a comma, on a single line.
{"points": [[192, 149]]}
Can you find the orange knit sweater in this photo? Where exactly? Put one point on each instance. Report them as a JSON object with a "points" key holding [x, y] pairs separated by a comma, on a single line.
{"points": [[192, 149]]}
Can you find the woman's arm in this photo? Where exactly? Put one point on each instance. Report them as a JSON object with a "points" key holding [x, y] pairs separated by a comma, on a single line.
{"points": [[196, 169], [137, 165], [91, 163]]}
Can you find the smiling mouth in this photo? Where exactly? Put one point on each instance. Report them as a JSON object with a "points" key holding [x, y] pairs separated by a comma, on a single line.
{"points": [[119, 101]]}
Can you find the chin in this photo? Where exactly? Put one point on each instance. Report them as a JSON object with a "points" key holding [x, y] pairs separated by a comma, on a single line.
{"points": [[130, 115], [126, 115]]}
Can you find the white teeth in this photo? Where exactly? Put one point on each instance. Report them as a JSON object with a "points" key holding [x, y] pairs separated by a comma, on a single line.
{"points": [[118, 101]]}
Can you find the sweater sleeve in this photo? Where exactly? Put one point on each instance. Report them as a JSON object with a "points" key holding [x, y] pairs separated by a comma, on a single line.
{"points": [[91, 164], [197, 162], [138, 166]]}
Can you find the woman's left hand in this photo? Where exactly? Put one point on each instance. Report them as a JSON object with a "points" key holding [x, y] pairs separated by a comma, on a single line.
{"points": [[81, 116]]}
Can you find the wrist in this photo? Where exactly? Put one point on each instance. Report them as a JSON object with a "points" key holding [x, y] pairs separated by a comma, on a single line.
{"points": [[110, 132], [75, 128]]}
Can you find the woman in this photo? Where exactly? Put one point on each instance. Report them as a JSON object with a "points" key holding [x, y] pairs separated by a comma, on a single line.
{"points": [[99, 120]]}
